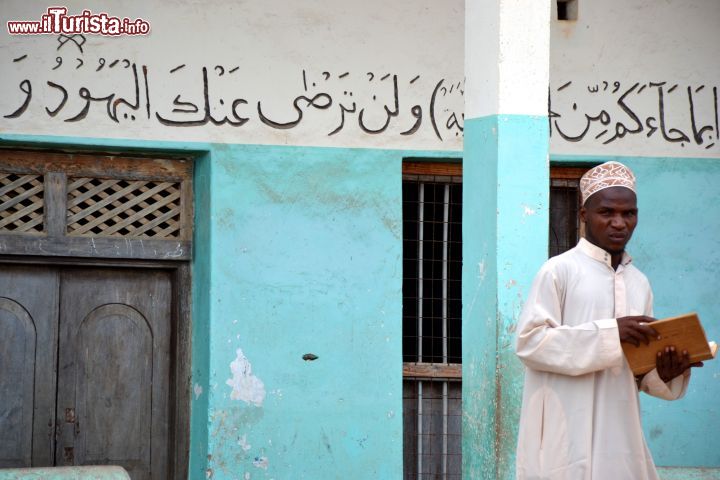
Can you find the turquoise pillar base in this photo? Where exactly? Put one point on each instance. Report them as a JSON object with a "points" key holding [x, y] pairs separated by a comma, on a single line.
{"points": [[505, 240]]}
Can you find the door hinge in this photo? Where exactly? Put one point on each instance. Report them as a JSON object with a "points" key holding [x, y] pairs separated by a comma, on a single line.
{"points": [[69, 455]]}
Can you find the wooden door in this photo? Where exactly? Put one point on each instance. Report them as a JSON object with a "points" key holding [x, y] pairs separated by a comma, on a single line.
{"points": [[28, 342], [113, 388], [110, 330]]}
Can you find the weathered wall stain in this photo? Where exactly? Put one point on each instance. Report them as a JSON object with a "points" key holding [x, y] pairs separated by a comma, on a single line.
{"points": [[245, 386], [230, 447], [261, 462], [226, 219]]}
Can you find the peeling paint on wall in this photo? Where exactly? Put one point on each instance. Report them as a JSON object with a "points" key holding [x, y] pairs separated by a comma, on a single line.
{"points": [[482, 270], [198, 391], [261, 462], [244, 443], [245, 386]]}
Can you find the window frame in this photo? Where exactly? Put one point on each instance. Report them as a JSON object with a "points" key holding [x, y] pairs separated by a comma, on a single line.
{"points": [[432, 370], [437, 378]]}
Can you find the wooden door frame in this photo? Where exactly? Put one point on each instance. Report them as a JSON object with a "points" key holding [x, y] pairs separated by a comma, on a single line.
{"points": [[181, 341], [54, 247]]}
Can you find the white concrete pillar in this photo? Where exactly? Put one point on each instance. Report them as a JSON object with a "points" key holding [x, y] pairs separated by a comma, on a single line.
{"points": [[505, 215]]}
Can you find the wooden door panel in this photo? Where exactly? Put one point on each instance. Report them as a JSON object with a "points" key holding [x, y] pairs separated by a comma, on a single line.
{"points": [[113, 380], [17, 360], [113, 385], [28, 339]]}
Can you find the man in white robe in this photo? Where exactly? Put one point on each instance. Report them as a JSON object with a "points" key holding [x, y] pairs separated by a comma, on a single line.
{"points": [[580, 414]]}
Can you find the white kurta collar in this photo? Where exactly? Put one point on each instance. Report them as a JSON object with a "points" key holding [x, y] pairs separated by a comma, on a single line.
{"points": [[593, 251]]}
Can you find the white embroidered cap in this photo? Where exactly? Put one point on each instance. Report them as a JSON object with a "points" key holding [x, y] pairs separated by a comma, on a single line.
{"points": [[606, 175]]}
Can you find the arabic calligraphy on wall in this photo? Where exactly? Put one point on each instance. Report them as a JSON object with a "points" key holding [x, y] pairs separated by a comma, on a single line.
{"points": [[608, 112], [77, 88], [74, 86]]}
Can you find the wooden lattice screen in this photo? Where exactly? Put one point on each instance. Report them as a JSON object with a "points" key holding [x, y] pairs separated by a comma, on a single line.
{"points": [[95, 205], [22, 204], [123, 208]]}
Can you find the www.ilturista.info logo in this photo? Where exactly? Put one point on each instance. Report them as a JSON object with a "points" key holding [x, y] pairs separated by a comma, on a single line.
{"points": [[57, 21]]}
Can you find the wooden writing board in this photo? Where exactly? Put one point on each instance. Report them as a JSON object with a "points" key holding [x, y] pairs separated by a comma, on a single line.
{"points": [[684, 332]]}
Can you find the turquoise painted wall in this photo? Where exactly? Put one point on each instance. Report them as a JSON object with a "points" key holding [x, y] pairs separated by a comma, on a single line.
{"points": [[505, 212], [479, 293], [297, 250], [677, 245], [307, 259], [201, 325]]}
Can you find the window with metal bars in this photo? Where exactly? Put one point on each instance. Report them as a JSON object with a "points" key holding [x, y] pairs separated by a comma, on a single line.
{"points": [[565, 228], [432, 309]]}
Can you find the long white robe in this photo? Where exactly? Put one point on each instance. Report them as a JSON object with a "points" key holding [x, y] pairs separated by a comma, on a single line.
{"points": [[580, 414]]}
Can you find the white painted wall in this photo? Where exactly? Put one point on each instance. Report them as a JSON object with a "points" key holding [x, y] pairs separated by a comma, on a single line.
{"points": [[618, 47], [506, 45], [271, 43]]}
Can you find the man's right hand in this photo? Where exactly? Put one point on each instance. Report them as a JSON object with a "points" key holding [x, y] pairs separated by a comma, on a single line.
{"points": [[636, 329]]}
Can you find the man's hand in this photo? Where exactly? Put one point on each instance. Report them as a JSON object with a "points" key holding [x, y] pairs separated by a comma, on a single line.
{"points": [[636, 329], [670, 363]]}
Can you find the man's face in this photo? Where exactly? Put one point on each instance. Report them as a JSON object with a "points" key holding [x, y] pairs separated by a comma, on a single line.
{"points": [[610, 217]]}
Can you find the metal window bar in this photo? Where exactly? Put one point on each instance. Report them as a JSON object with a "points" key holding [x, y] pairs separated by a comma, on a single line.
{"points": [[421, 238], [432, 237], [446, 219], [420, 417]]}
